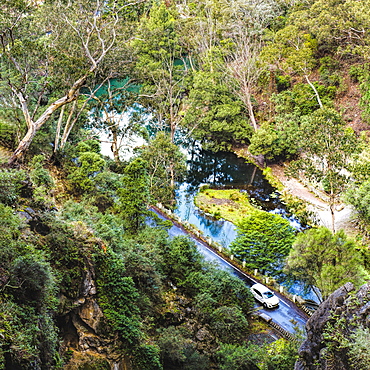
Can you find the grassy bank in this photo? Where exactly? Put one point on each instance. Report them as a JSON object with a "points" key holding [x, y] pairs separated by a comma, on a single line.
{"points": [[231, 204]]}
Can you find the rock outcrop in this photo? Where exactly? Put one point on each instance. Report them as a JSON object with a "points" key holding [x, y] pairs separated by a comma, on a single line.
{"points": [[330, 330]]}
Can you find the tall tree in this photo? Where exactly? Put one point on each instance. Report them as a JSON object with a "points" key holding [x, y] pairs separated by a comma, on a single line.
{"points": [[247, 22], [327, 147], [50, 51], [160, 66], [166, 165], [263, 240], [134, 195], [325, 260], [292, 51], [114, 114], [215, 116]]}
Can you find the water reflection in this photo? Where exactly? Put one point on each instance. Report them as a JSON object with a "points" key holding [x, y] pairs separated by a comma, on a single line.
{"points": [[224, 170]]}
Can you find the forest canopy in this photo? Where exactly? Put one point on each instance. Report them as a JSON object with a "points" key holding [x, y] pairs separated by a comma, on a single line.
{"points": [[84, 262]]}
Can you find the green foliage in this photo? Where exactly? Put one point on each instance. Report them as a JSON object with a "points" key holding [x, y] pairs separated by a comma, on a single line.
{"points": [[104, 193], [161, 70], [263, 241], [27, 298], [359, 197], [331, 22], [32, 280], [11, 183], [144, 270], [166, 166], [282, 82], [229, 324], [8, 130], [329, 71], [42, 182], [213, 115], [134, 195], [147, 357], [278, 140], [301, 98], [117, 297], [39, 175], [27, 337], [327, 146], [10, 227], [280, 354], [179, 352], [326, 261], [213, 288], [232, 356], [359, 349], [88, 165], [66, 254], [181, 258]]}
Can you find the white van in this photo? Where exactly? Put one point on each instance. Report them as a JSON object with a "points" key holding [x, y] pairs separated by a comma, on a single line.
{"points": [[264, 295]]}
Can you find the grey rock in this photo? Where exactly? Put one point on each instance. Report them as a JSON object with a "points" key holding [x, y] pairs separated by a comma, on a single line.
{"points": [[345, 311]]}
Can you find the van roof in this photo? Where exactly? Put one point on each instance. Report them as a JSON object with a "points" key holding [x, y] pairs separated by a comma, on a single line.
{"points": [[261, 287]]}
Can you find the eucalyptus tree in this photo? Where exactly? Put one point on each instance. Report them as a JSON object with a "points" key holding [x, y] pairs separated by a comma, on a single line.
{"points": [[326, 261], [292, 51], [160, 67], [134, 195], [114, 113], [327, 147], [52, 50], [248, 20], [213, 113], [338, 25], [166, 165]]}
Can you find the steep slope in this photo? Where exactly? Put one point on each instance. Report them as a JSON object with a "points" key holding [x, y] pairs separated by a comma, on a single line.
{"points": [[337, 334]]}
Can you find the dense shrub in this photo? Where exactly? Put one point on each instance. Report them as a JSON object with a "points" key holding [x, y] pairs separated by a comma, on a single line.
{"points": [[11, 183], [264, 240]]}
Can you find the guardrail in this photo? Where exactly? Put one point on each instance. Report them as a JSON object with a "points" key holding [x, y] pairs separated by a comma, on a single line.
{"points": [[299, 301]]}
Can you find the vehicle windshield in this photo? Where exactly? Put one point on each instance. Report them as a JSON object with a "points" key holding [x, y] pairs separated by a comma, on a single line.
{"points": [[268, 294]]}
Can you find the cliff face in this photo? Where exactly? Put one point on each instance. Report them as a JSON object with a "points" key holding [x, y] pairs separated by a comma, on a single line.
{"points": [[84, 344], [332, 341]]}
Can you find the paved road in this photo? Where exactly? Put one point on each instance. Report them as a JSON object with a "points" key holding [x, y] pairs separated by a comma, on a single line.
{"points": [[282, 315]]}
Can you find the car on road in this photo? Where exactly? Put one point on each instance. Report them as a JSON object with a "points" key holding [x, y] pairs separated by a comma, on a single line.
{"points": [[264, 295]]}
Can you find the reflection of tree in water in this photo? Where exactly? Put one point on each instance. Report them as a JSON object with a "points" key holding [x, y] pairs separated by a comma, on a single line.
{"points": [[220, 169], [214, 227]]}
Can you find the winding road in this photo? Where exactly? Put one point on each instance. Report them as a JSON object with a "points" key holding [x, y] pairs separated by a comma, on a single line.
{"points": [[283, 315]]}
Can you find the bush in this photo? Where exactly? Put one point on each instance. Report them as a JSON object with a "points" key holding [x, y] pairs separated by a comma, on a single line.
{"points": [[147, 357], [117, 298], [11, 183], [179, 352], [282, 83], [39, 175], [264, 240], [33, 278], [229, 324]]}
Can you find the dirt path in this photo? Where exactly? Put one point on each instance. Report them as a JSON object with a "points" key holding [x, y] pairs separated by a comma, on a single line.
{"points": [[317, 203]]}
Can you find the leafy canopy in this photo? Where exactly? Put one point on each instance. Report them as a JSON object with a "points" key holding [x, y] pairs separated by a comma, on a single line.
{"points": [[325, 260], [264, 240]]}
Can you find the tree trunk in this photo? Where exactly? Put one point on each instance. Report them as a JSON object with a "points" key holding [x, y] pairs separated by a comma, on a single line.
{"points": [[249, 105], [315, 91], [332, 206], [68, 127], [34, 126], [23, 145], [114, 147], [57, 134]]}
